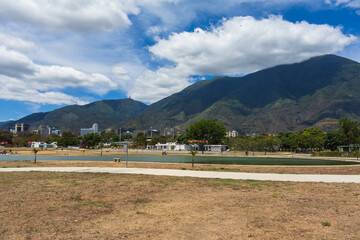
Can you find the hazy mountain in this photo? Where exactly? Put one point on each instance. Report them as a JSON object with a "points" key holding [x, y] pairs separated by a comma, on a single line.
{"points": [[315, 92], [106, 113]]}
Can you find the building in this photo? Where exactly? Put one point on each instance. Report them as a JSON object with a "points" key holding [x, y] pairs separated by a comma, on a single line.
{"points": [[348, 148], [169, 132], [46, 131], [21, 127], [43, 145], [215, 148], [173, 146], [93, 129], [152, 132], [232, 133]]}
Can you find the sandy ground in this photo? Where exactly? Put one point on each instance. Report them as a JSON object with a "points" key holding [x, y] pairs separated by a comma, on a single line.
{"points": [[343, 170], [40, 205]]}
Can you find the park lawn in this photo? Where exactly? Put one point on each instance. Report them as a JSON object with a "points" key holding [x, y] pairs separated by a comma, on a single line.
{"points": [[343, 169], [48, 205]]}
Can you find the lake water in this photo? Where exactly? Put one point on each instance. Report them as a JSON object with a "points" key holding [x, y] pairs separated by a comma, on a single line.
{"points": [[185, 159]]}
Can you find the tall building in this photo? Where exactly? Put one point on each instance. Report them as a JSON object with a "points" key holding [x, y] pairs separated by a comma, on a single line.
{"points": [[169, 132], [93, 129], [233, 133], [21, 127]]}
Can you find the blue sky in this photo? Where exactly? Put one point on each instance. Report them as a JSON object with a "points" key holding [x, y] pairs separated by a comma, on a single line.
{"points": [[56, 53]]}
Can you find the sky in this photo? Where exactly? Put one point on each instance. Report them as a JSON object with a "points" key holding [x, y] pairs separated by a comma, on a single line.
{"points": [[58, 53]]}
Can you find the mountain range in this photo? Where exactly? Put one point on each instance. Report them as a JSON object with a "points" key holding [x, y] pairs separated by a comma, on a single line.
{"points": [[316, 92], [106, 113]]}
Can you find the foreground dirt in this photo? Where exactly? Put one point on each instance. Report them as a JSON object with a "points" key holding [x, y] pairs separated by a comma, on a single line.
{"points": [[342, 170], [39, 205]]}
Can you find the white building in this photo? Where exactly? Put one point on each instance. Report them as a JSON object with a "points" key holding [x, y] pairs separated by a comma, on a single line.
{"points": [[94, 129], [232, 133], [173, 146], [43, 145], [215, 148]]}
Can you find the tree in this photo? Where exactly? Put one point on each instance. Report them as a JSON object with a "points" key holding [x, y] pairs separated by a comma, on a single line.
{"points": [[289, 141], [5, 136], [158, 139], [91, 139], [68, 139], [332, 140], [35, 151], [209, 130], [193, 152], [140, 140], [181, 139], [311, 138], [349, 131], [110, 136]]}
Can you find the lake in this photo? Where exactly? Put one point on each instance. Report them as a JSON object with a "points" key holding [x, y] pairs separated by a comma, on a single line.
{"points": [[185, 159]]}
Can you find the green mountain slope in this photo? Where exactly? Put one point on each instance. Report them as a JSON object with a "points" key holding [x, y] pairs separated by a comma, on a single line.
{"points": [[290, 97], [106, 113]]}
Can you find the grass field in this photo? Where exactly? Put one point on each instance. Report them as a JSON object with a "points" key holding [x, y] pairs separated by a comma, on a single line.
{"points": [[41, 205]]}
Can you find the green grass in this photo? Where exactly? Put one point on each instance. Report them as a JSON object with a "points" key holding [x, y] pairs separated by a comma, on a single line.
{"points": [[326, 224]]}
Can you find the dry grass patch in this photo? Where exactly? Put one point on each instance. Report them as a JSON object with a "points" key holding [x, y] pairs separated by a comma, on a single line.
{"points": [[44, 205]]}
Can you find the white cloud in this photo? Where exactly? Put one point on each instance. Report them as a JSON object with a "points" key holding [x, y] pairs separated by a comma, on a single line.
{"points": [[83, 15], [345, 3], [22, 79], [152, 86], [237, 45], [15, 43]]}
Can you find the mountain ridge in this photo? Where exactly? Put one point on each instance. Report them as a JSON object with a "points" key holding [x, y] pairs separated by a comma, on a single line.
{"points": [[286, 97], [73, 117]]}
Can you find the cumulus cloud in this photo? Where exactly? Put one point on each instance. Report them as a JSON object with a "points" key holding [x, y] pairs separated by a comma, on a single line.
{"points": [[22, 79], [345, 3], [235, 46], [88, 15], [16, 43]]}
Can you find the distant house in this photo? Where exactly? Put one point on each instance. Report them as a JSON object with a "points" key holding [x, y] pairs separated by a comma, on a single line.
{"points": [[43, 145], [348, 148], [93, 129], [216, 148], [188, 147], [175, 146]]}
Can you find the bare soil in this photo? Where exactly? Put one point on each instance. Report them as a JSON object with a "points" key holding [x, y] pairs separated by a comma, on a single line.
{"points": [[44, 205], [341, 170]]}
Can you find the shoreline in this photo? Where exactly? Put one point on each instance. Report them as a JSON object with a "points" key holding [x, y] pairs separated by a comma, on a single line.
{"points": [[132, 152], [280, 169]]}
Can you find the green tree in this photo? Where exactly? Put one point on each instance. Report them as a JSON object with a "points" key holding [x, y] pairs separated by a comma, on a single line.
{"points": [[92, 139], [311, 138], [349, 131], [332, 140], [35, 151], [158, 139], [110, 136], [140, 140], [20, 141], [209, 130], [68, 139], [289, 141], [181, 139], [5, 136], [193, 152]]}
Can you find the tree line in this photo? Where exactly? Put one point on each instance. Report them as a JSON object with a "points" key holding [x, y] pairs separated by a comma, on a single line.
{"points": [[212, 132]]}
